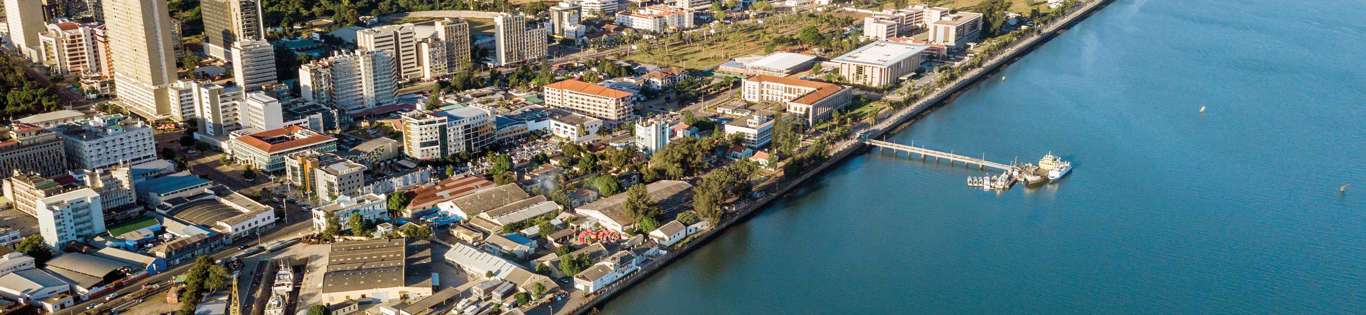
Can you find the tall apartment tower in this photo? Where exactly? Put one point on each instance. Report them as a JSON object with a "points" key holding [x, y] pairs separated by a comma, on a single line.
{"points": [[229, 21], [353, 82], [25, 21], [399, 41], [140, 41], [253, 64], [70, 216], [445, 52], [514, 43], [69, 48], [217, 109]]}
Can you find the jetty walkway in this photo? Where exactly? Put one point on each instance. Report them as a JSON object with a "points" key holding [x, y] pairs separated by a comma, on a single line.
{"points": [[928, 153]]}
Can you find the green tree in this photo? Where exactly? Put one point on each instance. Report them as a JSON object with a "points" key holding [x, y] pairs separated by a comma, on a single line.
{"points": [[810, 35], [641, 208], [333, 226], [605, 185], [522, 298], [537, 290], [688, 218], [398, 200], [357, 224], [416, 231], [318, 310], [33, 246]]}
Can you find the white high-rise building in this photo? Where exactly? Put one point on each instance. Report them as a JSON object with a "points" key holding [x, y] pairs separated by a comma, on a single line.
{"points": [[261, 112], [600, 8], [445, 52], [399, 41], [354, 81], [253, 64], [229, 21], [515, 43], [25, 21], [436, 135], [103, 143], [182, 100], [70, 216], [565, 19], [142, 44], [652, 135], [217, 109]]}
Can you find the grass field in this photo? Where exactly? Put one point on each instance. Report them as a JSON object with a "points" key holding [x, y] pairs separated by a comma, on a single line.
{"points": [[741, 40], [131, 226]]}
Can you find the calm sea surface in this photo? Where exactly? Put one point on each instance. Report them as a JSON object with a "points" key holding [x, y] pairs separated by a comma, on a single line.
{"points": [[1167, 210]]}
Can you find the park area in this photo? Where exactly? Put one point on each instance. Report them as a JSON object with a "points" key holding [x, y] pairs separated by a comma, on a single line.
{"points": [[706, 49], [132, 226]]}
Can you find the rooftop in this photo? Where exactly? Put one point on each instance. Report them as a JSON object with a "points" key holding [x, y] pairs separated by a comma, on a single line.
{"points": [[588, 88], [284, 139], [170, 183], [448, 189], [881, 53], [57, 115], [375, 144], [490, 198], [371, 264], [664, 192], [569, 117]]}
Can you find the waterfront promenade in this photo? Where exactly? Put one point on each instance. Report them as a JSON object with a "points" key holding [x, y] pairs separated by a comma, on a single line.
{"points": [[580, 304]]}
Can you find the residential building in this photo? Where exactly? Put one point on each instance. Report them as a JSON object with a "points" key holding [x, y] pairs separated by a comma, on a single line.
{"points": [[301, 169], [68, 48], [227, 22], [344, 178], [610, 212], [24, 19], [652, 135], [600, 8], [382, 270], [565, 20], [814, 101], [116, 189], [266, 150], [880, 64], [399, 181], [956, 29], [658, 19], [181, 97], [589, 99], [757, 130], [370, 207], [436, 135], [25, 189], [259, 111], [70, 216], [142, 45], [573, 127], [515, 42], [108, 141], [778, 64], [253, 64], [397, 41], [32, 149], [696, 5], [218, 110], [445, 52], [606, 272], [353, 82]]}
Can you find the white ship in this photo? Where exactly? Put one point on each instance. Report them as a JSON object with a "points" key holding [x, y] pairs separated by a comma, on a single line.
{"points": [[1056, 167]]}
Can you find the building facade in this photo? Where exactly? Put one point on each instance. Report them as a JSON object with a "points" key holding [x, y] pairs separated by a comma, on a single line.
{"points": [[70, 216], [956, 29], [399, 42], [516, 42], [68, 48], [658, 19], [32, 149], [370, 207], [880, 64], [652, 135], [253, 64], [267, 150], [229, 21], [261, 112], [812, 100], [589, 99], [353, 82], [436, 135], [344, 178], [108, 142], [143, 46], [757, 130], [25, 20]]}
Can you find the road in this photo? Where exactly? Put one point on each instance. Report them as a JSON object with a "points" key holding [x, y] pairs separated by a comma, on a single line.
{"points": [[125, 293]]}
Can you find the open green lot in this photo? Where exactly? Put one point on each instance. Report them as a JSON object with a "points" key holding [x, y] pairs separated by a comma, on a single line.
{"points": [[132, 225]]}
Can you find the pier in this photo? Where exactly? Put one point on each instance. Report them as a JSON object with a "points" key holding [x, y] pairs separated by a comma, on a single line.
{"points": [[980, 163]]}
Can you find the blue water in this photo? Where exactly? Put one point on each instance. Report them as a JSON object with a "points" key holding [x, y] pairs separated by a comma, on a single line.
{"points": [[1168, 210]]}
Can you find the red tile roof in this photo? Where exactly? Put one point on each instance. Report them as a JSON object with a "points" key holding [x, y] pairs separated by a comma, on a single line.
{"points": [[588, 88], [259, 140], [823, 90], [449, 189]]}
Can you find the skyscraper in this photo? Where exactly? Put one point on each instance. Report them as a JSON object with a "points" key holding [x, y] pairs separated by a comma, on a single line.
{"points": [[229, 21], [399, 41], [253, 64], [25, 21], [141, 42], [514, 43]]}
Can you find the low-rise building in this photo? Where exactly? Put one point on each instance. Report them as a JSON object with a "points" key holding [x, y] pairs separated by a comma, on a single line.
{"points": [[496, 219], [369, 207], [336, 180], [610, 212], [658, 19], [153, 192], [814, 101], [606, 272], [757, 130], [376, 151], [54, 118], [380, 270], [774, 64], [880, 64], [482, 200], [427, 197], [266, 150], [14, 262], [573, 127], [956, 29], [221, 210], [33, 286], [669, 233], [511, 244]]}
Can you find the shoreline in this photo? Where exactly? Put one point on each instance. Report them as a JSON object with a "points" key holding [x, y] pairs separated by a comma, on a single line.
{"points": [[900, 120]]}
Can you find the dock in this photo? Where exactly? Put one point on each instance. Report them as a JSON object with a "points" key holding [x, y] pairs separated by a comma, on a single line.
{"points": [[925, 153]]}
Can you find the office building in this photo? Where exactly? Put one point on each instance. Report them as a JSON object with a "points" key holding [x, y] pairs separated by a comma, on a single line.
{"points": [[600, 8], [812, 100], [399, 42], [142, 45], [229, 21], [589, 99], [652, 135], [566, 20], [757, 130], [353, 82], [25, 21], [573, 126], [880, 64], [217, 109], [260, 112], [181, 96], [253, 64], [956, 29], [436, 135], [343, 178], [115, 186], [68, 48], [104, 142], [32, 149], [515, 42], [896, 23], [266, 150], [70, 216]]}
